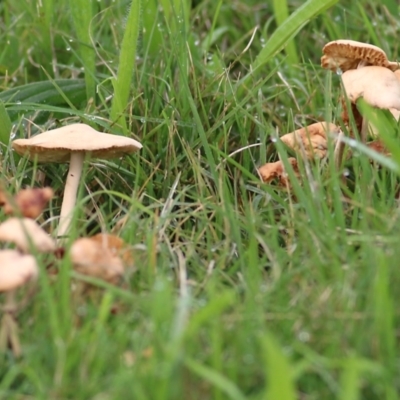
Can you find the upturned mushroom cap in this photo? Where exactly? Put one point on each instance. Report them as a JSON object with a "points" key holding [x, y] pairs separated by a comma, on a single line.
{"points": [[16, 269], [312, 139], [349, 54], [378, 86], [93, 258], [56, 145], [23, 231]]}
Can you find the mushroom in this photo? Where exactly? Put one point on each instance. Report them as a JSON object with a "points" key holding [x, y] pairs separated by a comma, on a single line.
{"points": [[343, 55], [16, 270], [94, 258], [72, 143], [28, 202], [311, 140], [276, 171], [378, 86], [24, 232]]}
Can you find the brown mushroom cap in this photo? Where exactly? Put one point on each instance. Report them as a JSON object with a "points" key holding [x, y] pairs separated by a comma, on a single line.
{"points": [[276, 171], [312, 139], [349, 54], [16, 269], [56, 145], [93, 258], [378, 86], [23, 231]]}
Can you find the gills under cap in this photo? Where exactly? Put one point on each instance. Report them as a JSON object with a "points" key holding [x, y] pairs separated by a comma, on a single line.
{"points": [[350, 54]]}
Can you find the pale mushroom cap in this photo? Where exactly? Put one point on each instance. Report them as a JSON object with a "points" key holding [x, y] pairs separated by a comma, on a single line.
{"points": [[90, 257], [311, 139], [378, 86], [16, 269], [349, 54], [22, 231], [56, 145]]}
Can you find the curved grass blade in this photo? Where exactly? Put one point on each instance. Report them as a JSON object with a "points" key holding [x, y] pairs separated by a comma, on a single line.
{"points": [[288, 29]]}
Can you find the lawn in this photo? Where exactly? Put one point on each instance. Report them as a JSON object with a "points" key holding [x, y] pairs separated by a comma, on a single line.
{"points": [[239, 289]]}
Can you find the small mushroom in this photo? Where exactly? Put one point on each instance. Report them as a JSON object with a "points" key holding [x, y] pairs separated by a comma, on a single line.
{"points": [[28, 202], [16, 270], [276, 171], [311, 141], [343, 55], [24, 233], [72, 143], [94, 258]]}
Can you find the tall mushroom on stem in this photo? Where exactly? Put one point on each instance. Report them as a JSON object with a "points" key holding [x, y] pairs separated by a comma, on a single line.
{"points": [[73, 143]]}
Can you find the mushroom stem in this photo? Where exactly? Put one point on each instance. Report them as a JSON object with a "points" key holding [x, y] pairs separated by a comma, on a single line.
{"points": [[70, 192]]}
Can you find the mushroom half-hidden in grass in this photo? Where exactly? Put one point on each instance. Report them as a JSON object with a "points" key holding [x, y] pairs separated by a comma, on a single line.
{"points": [[72, 143], [29, 202], [16, 270], [275, 172], [99, 257], [311, 141], [27, 235]]}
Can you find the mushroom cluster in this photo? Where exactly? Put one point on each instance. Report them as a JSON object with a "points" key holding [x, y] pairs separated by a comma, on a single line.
{"points": [[102, 256], [366, 73]]}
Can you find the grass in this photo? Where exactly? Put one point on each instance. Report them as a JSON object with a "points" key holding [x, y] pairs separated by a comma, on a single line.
{"points": [[240, 291]]}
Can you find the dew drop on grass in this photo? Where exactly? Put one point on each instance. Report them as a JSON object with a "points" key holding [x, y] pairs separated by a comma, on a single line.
{"points": [[143, 120], [352, 143], [346, 172], [68, 48], [18, 102], [339, 71], [274, 139]]}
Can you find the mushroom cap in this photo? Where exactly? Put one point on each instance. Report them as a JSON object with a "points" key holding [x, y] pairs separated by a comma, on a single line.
{"points": [[16, 269], [311, 139], [276, 171], [22, 231], [56, 145], [378, 86], [348, 54], [93, 258]]}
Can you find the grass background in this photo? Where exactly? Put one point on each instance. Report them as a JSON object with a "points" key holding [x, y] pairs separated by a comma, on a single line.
{"points": [[240, 291]]}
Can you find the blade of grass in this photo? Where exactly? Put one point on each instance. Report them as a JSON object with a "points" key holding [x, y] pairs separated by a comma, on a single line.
{"points": [[281, 12], [288, 30], [215, 378], [5, 125], [82, 15], [122, 82], [279, 376]]}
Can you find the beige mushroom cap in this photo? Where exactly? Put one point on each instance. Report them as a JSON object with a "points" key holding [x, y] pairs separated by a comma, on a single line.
{"points": [[16, 269], [93, 258], [349, 54], [23, 231], [378, 86], [312, 139], [56, 145]]}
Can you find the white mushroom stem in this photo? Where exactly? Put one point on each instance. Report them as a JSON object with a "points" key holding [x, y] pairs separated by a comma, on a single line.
{"points": [[70, 192]]}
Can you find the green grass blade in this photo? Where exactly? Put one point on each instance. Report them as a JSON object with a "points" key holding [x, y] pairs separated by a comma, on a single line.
{"points": [[122, 82], [5, 125], [279, 376], [215, 378], [289, 28], [281, 12], [82, 15]]}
